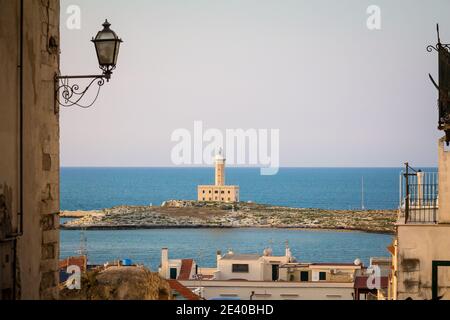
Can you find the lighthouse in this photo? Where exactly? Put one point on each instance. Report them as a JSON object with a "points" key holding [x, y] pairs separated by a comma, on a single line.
{"points": [[220, 168], [219, 192]]}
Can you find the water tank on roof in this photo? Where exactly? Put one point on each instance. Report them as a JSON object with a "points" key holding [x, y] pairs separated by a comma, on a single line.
{"points": [[127, 262]]}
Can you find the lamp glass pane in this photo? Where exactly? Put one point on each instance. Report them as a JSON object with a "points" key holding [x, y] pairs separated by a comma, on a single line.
{"points": [[106, 35], [105, 52], [117, 52]]}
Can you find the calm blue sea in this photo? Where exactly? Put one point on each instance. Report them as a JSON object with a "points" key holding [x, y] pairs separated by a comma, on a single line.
{"points": [[327, 188], [144, 246], [97, 188]]}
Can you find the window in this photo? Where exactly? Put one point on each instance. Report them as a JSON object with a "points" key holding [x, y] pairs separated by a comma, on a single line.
{"points": [[210, 191], [216, 191], [240, 268], [304, 276], [275, 272], [322, 276], [229, 191], [203, 191], [223, 199], [173, 273], [203, 199], [229, 199], [222, 192]]}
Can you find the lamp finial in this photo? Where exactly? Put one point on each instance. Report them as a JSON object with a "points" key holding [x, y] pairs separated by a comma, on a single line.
{"points": [[106, 24]]}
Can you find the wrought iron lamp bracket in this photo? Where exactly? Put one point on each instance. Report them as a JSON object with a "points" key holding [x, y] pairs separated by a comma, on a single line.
{"points": [[69, 94], [439, 45], [430, 48]]}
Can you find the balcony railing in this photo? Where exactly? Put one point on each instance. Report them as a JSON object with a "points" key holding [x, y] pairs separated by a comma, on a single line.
{"points": [[419, 200]]}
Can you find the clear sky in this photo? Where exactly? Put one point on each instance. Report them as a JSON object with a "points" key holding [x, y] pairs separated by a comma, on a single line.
{"points": [[341, 94]]}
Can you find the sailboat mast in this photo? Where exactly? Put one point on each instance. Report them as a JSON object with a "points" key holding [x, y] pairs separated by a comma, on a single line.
{"points": [[362, 193]]}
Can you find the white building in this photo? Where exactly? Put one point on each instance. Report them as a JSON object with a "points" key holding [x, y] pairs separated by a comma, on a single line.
{"points": [[250, 267], [177, 269], [263, 277]]}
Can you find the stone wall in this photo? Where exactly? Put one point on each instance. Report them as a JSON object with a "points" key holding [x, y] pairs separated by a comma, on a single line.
{"points": [[37, 254]]}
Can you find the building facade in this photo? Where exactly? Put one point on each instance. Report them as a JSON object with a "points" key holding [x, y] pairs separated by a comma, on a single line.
{"points": [[29, 148], [176, 269], [421, 250], [219, 192], [263, 277]]}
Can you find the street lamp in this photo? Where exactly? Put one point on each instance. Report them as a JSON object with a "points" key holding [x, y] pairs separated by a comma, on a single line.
{"points": [[107, 45], [443, 87]]}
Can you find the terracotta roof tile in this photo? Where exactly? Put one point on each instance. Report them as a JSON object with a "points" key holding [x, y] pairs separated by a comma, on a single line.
{"points": [[185, 270], [361, 282], [182, 290], [74, 261]]}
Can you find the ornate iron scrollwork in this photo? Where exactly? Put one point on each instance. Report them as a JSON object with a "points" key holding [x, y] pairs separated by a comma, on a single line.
{"points": [[430, 48], [70, 95]]}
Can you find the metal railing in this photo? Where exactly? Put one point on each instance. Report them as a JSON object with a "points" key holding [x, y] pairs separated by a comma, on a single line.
{"points": [[419, 200]]}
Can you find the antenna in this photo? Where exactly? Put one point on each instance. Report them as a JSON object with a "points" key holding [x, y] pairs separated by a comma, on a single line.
{"points": [[438, 35], [83, 244]]}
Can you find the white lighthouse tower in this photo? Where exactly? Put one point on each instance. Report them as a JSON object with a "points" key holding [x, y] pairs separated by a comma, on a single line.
{"points": [[219, 192]]}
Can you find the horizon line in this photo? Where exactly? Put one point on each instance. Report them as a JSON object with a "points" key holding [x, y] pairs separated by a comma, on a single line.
{"points": [[245, 167]]}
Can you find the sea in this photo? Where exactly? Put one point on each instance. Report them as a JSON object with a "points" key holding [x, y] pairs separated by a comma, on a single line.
{"points": [[325, 188]]}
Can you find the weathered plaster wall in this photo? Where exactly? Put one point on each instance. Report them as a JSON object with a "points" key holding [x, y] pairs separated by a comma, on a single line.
{"points": [[418, 246], [273, 290], [38, 247], [444, 183]]}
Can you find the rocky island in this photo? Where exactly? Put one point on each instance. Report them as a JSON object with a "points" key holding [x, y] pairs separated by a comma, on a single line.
{"points": [[193, 214]]}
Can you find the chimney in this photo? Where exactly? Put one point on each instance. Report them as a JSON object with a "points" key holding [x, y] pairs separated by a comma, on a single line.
{"points": [[164, 272], [219, 257], [288, 253]]}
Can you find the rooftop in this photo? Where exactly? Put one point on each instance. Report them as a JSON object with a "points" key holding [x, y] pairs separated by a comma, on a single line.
{"points": [[339, 264], [180, 292], [328, 264], [80, 261], [233, 256], [185, 270], [361, 282]]}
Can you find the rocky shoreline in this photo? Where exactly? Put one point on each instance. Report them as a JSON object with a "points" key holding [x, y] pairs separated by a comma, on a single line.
{"points": [[192, 214]]}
